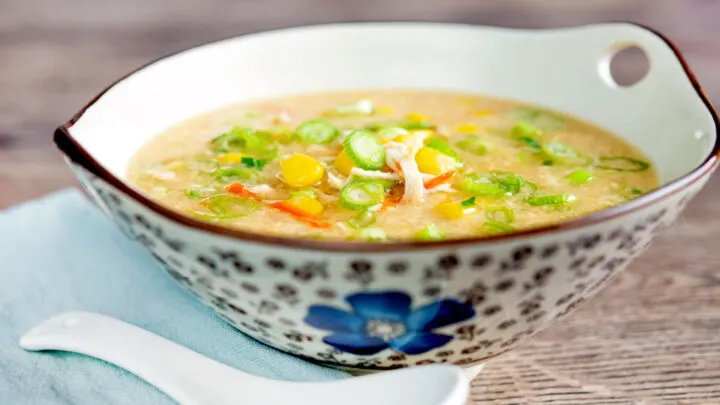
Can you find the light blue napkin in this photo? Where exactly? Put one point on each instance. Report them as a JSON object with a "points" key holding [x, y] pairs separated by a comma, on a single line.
{"points": [[59, 254]]}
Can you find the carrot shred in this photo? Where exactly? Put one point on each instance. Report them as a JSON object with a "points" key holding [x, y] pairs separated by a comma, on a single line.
{"points": [[398, 167], [392, 199], [300, 214], [438, 180], [242, 191], [310, 219]]}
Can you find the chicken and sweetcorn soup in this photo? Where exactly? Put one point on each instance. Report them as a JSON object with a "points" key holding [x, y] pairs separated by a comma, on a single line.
{"points": [[387, 166]]}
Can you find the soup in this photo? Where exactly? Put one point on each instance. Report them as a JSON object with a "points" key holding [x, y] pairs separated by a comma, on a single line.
{"points": [[388, 165]]}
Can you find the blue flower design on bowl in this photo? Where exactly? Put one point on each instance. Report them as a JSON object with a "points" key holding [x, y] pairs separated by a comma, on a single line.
{"points": [[384, 319]]}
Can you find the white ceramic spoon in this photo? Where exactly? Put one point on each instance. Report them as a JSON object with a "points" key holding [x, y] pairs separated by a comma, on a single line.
{"points": [[191, 378]]}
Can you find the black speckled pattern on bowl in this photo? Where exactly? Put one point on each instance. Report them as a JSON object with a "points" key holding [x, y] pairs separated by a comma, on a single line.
{"points": [[384, 310]]}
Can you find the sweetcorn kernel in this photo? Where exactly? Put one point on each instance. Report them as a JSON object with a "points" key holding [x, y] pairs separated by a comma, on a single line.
{"points": [[467, 128], [343, 163], [450, 210], [301, 170], [384, 110], [432, 161], [307, 204], [416, 117], [231, 158], [409, 138], [484, 113]]}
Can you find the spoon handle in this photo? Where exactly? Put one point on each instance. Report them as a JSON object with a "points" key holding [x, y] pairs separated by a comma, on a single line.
{"points": [[184, 375]]}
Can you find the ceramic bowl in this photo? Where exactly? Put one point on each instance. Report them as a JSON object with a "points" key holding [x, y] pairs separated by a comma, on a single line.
{"points": [[382, 306]]}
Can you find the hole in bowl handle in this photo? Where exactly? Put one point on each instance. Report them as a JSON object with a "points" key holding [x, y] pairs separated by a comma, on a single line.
{"points": [[631, 55], [624, 65]]}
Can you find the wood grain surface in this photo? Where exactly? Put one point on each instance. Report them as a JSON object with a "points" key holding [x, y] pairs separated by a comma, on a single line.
{"points": [[652, 337]]}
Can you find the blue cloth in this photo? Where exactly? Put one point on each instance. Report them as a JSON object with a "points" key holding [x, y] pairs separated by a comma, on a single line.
{"points": [[61, 254]]}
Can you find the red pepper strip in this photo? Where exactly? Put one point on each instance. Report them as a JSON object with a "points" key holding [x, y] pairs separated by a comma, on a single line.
{"points": [[300, 214], [242, 191], [443, 178]]}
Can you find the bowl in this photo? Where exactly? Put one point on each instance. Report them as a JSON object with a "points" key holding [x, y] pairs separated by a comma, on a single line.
{"points": [[382, 306]]}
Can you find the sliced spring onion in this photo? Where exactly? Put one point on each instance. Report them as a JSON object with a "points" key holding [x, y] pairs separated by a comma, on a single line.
{"points": [[309, 193], [430, 233], [365, 150], [541, 119], [559, 199], [532, 143], [259, 144], [497, 227], [199, 192], [510, 182], [253, 162], [416, 125], [361, 107], [500, 214], [556, 152], [373, 235], [234, 173], [317, 131], [532, 186], [477, 185], [361, 194], [362, 219], [230, 205], [444, 148], [636, 191], [580, 176], [469, 202], [406, 125], [227, 206], [388, 184], [282, 134], [391, 132], [475, 145], [525, 130], [622, 164]]}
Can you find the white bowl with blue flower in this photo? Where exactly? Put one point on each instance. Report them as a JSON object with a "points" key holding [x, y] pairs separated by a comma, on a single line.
{"points": [[382, 306]]}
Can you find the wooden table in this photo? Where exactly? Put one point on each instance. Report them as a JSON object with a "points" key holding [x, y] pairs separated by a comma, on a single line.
{"points": [[652, 337]]}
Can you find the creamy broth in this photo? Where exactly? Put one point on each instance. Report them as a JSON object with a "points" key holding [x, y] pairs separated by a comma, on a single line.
{"points": [[388, 165]]}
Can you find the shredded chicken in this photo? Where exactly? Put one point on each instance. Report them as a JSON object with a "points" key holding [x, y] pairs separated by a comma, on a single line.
{"points": [[402, 160], [326, 198], [322, 150], [160, 173], [263, 190], [373, 174], [335, 181], [442, 188]]}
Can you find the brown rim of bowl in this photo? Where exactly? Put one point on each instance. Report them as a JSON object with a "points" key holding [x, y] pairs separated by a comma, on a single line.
{"points": [[80, 156]]}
